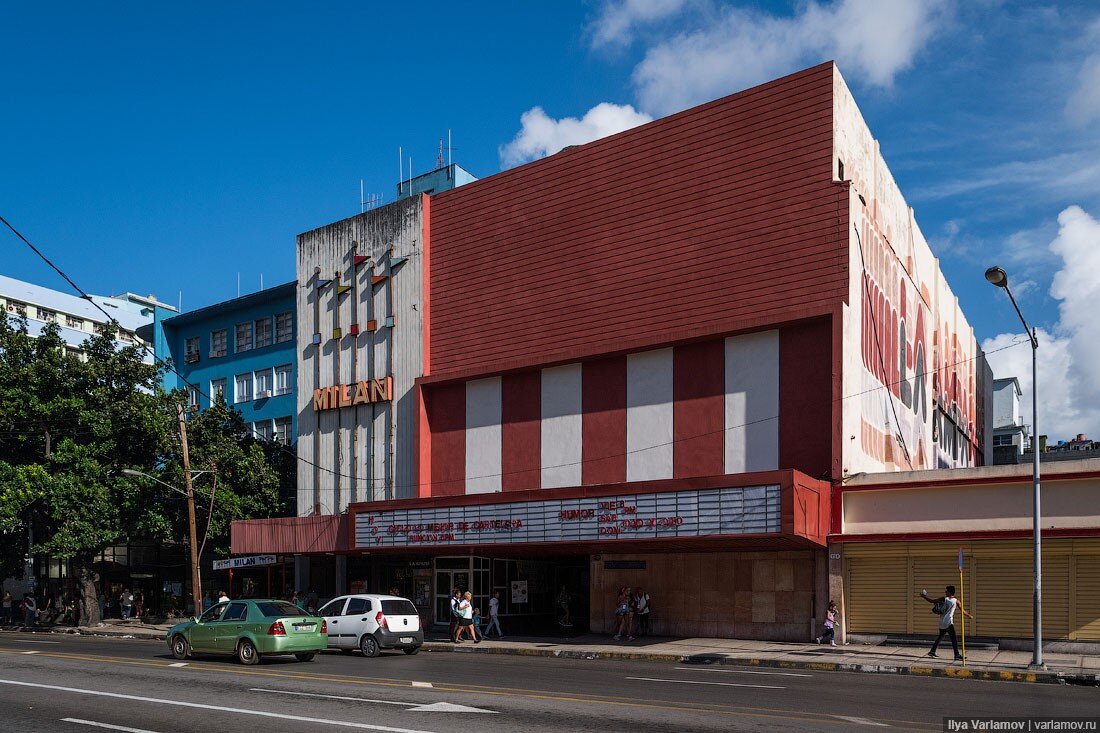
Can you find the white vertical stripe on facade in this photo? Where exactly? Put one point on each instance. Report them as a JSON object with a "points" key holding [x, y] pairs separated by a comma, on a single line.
{"points": [[649, 415], [561, 426], [752, 402], [483, 436]]}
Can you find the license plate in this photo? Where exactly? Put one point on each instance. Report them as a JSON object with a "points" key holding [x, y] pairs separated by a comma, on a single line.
{"points": [[304, 627], [406, 640]]}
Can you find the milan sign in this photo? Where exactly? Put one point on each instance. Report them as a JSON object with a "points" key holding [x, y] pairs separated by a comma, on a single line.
{"points": [[350, 395], [691, 513]]}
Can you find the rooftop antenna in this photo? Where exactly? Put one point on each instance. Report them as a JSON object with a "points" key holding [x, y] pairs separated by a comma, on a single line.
{"points": [[448, 146], [410, 175], [362, 200], [238, 284], [400, 169], [439, 157], [180, 309], [261, 281]]}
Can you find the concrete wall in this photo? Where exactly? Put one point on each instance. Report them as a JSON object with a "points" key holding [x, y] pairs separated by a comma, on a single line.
{"points": [[1006, 404], [737, 595], [365, 452]]}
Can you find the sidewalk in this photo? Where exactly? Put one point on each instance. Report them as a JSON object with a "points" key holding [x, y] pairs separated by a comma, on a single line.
{"points": [[982, 664]]}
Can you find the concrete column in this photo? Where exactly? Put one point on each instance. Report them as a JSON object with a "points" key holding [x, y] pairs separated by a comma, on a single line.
{"points": [[301, 573], [836, 589], [341, 575], [821, 593]]}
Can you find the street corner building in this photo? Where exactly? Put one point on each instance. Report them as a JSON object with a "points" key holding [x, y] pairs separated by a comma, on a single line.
{"points": [[642, 361]]}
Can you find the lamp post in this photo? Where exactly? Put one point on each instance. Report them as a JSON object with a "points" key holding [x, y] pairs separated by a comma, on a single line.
{"points": [[999, 277], [196, 577]]}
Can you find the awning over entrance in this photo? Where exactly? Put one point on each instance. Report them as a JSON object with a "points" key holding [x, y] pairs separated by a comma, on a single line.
{"points": [[290, 535]]}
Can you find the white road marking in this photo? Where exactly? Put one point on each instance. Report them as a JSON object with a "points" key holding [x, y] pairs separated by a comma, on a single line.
{"points": [[448, 707], [32, 652], [697, 682], [332, 697], [32, 641], [742, 671], [178, 664], [422, 684], [219, 708], [861, 721], [94, 724]]}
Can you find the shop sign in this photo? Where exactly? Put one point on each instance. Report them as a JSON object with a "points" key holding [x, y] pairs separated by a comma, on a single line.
{"points": [[624, 564], [364, 392], [691, 513], [254, 561]]}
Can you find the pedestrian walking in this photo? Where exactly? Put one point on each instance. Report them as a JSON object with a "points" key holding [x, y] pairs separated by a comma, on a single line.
{"points": [[207, 601], [6, 607], [139, 604], [300, 600], [312, 601], [30, 610], [563, 608], [102, 600], [624, 618], [126, 602], [494, 615], [945, 607], [641, 610], [832, 615], [456, 598], [477, 621], [465, 608]]}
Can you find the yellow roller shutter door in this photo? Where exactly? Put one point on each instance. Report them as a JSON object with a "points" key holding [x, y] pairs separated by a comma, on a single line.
{"points": [[1088, 598], [1003, 597], [934, 574], [875, 602]]}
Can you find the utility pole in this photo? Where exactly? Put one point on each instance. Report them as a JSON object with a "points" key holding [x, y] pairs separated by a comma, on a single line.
{"points": [[196, 580]]}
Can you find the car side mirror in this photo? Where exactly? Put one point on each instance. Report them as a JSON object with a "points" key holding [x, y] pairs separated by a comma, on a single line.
{"points": [[194, 619]]}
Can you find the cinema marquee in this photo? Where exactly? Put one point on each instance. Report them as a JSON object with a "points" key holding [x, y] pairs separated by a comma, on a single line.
{"points": [[364, 392]]}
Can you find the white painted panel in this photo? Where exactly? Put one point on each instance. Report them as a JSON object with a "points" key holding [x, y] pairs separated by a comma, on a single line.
{"points": [[561, 426], [752, 402], [649, 415], [483, 436]]}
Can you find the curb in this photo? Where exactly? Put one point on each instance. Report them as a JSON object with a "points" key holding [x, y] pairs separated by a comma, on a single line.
{"points": [[702, 659]]}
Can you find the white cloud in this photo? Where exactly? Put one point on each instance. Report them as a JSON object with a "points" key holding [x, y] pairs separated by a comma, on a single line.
{"points": [[1083, 105], [872, 40], [617, 21], [1069, 355], [542, 135]]}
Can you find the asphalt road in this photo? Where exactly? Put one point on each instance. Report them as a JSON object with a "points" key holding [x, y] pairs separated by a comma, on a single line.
{"points": [[65, 684]]}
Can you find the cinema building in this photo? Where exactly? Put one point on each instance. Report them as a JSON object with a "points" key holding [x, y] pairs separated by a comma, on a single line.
{"points": [[642, 361]]}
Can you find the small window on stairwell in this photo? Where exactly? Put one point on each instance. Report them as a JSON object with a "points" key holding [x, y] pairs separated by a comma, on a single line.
{"points": [[840, 169]]}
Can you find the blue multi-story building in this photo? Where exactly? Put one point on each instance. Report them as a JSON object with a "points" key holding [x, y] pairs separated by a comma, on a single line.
{"points": [[243, 350]]}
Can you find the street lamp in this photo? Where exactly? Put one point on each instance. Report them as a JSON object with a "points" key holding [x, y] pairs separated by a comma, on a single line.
{"points": [[999, 277], [196, 576]]}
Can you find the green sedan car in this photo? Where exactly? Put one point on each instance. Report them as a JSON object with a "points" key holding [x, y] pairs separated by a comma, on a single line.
{"points": [[250, 629]]}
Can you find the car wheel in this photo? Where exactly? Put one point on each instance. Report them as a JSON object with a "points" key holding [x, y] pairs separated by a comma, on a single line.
{"points": [[411, 650], [369, 646], [180, 648], [305, 656], [247, 653]]}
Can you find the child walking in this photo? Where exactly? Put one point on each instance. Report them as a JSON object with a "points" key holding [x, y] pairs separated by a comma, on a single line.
{"points": [[832, 615]]}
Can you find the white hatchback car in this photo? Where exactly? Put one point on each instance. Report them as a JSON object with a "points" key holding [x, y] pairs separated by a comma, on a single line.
{"points": [[372, 623]]}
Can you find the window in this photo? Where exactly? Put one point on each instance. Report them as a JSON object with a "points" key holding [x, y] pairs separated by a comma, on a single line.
{"points": [[213, 613], [398, 608], [191, 350], [76, 323], [263, 383], [236, 612], [1002, 440], [217, 389], [46, 315], [282, 430], [20, 309], [332, 608], [192, 397], [263, 332], [284, 327], [219, 343], [242, 388], [282, 379], [263, 430], [357, 606], [273, 609], [244, 336], [126, 336]]}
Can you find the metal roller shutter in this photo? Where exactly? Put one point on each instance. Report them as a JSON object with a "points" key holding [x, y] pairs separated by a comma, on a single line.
{"points": [[1003, 597], [933, 574], [1088, 598], [875, 602]]}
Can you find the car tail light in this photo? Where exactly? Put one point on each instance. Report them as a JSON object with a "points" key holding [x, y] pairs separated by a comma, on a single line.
{"points": [[276, 629], [324, 626], [380, 618]]}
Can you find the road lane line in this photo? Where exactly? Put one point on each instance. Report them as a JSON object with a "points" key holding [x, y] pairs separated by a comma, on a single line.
{"points": [[861, 721], [178, 664], [697, 682], [334, 697], [32, 641], [95, 724], [218, 708], [742, 671], [30, 652], [422, 684]]}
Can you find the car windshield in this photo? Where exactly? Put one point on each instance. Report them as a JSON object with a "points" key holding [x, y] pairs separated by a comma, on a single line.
{"points": [[279, 608], [398, 608]]}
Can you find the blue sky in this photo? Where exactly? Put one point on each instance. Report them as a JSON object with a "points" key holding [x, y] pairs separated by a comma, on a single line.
{"points": [[159, 148]]}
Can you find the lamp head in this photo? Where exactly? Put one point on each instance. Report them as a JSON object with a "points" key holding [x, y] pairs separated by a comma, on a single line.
{"points": [[997, 276], [131, 472]]}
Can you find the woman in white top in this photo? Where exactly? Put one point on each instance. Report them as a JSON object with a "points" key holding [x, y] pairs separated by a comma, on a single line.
{"points": [[466, 617]]}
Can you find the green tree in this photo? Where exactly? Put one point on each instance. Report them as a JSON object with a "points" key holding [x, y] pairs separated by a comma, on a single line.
{"points": [[68, 427]]}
